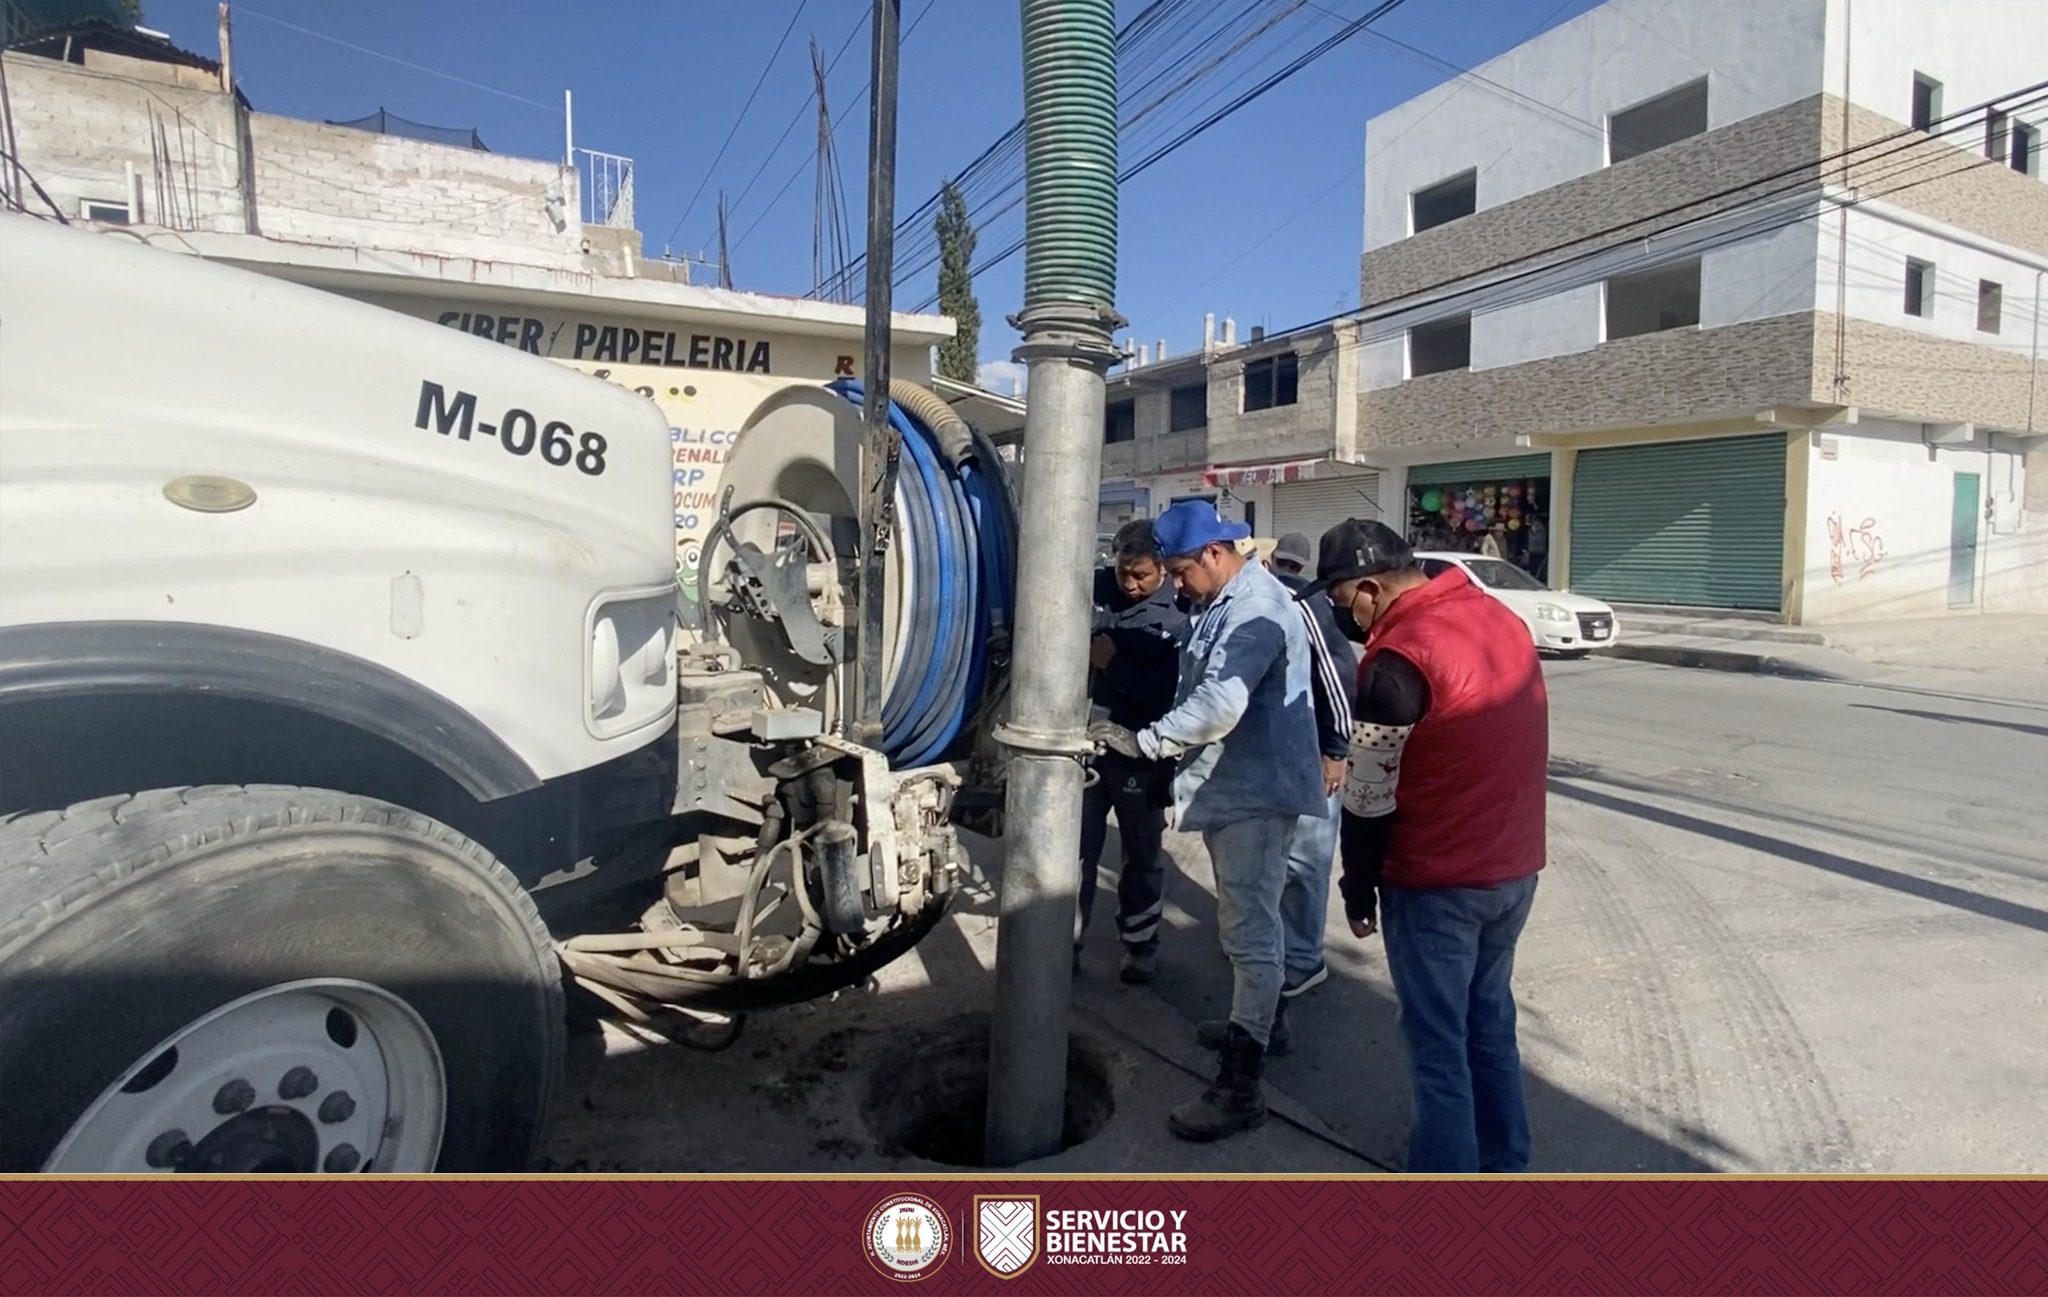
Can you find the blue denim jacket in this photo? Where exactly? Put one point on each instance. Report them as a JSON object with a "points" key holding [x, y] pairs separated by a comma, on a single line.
{"points": [[1244, 724]]}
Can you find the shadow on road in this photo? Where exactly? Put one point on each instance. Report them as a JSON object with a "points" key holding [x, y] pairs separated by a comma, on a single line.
{"points": [[1951, 718], [1926, 889], [1347, 1065]]}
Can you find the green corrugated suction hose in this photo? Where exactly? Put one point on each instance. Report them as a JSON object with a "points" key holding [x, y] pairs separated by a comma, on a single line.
{"points": [[1069, 152]]}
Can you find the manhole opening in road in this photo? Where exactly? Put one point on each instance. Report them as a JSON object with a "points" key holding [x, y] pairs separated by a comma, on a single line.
{"points": [[929, 1097]]}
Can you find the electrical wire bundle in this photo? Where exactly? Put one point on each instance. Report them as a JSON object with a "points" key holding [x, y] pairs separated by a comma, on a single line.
{"points": [[957, 536], [1177, 61]]}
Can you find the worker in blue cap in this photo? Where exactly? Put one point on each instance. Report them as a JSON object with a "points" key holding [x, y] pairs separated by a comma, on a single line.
{"points": [[1243, 733]]}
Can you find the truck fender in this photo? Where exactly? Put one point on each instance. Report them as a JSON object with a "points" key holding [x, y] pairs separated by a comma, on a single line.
{"points": [[58, 659]]}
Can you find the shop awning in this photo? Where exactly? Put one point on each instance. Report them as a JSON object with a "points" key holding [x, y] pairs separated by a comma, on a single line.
{"points": [[1293, 470], [1498, 468]]}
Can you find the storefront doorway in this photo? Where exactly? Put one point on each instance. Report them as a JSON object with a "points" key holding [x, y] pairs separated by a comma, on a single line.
{"points": [[1499, 507]]}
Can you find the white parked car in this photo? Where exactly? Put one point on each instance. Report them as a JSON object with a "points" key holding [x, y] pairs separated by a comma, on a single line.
{"points": [[1558, 620]]}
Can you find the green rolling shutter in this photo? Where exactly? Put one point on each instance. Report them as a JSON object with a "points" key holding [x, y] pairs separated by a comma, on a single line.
{"points": [[1504, 468], [1695, 523]]}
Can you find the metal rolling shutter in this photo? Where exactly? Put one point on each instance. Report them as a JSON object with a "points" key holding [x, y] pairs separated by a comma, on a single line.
{"points": [[1504, 468], [1312, 508], [1695, 523]]}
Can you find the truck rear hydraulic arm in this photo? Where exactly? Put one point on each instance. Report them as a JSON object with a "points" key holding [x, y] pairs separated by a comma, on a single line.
{"points": [[801, 862]]}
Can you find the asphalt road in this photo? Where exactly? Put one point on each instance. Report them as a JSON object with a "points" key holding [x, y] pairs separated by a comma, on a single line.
{"points": [[1786, 926]]}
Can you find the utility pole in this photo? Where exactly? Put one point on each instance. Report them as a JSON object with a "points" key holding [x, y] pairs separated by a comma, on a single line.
{"points": [[227, 49], [724, 258], [882, 444], [1068, 323], [828, 202]]}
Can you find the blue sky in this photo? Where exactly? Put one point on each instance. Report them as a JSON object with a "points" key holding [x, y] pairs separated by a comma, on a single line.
{"points": [[1260, 218]]}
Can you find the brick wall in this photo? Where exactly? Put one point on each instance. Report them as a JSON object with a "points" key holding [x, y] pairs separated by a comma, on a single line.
{"points": [[1787, 139], [1948, 179], [1659, 377], [1304, 430], [1903, 373], [76, 127], [333, 184], [1308, 429]]}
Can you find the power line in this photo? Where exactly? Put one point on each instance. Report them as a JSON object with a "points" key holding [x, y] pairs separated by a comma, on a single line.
{"points": [[1459, 73], [392, 58], [907, 33], [1965, 120], [1145, 59], [738, 121], [999, 166], [1761, 226], [1258, 91], [1186, 134], [1200, 128], [859, 25]]}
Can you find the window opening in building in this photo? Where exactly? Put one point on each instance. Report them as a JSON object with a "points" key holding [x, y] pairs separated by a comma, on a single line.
{"points": [[1926, 102], [1275, 380], [1653, 300], [1997, 134], [1670, 117], [92, 209], [1187, 408], [2026, 148], [1443, 202], [1440, 346], [1990, 306], [1120, 422], [1920, 288]]}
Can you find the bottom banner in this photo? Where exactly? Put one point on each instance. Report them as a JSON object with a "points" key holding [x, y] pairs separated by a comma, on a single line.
{"points": [[1310, 1236]]}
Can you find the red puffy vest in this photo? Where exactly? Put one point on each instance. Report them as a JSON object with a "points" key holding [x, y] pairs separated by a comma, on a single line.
{"points": [[1469, 807]]}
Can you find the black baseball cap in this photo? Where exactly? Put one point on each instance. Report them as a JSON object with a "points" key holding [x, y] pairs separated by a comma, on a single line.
{"points": [[1355, 548]]}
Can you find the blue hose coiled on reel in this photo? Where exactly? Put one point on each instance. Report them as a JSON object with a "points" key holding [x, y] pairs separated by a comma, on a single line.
{"points": [[958, 525]]}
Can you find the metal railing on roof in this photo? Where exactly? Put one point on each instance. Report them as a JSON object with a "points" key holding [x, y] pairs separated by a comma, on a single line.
{"points": [[606, 180]]}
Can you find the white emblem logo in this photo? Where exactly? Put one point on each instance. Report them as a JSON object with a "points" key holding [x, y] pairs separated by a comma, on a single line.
{"points": [[1006, 1235]]}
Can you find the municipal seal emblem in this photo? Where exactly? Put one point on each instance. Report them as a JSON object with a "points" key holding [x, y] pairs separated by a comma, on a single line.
{"points": [[907, 1236]]}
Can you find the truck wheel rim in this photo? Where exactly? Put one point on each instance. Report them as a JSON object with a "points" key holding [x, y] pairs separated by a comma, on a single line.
{"points": [[324, 1075]]}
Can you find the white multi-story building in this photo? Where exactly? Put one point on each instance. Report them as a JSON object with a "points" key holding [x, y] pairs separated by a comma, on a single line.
{"points": [[1730, 304], [1741, 301]]}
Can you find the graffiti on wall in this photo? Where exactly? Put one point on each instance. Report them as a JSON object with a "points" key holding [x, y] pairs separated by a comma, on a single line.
{"points": [[1859, 547]]}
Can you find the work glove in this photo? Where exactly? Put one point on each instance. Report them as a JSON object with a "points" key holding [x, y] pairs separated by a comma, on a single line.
{"points": [[1108, 736]]}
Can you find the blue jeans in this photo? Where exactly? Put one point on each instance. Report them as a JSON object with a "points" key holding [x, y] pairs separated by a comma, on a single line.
{"points": [[1250, 862], [1305, 903], [1452, 952]]}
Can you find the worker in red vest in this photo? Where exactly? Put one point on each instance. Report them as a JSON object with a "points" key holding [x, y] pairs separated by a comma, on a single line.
{"points": [[1443, 817]]}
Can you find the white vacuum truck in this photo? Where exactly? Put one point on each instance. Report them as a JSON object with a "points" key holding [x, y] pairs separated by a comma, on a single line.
{"points": [[346, 723]]}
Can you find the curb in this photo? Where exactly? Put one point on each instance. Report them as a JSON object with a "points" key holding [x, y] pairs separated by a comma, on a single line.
{"points": [[1715, 659]]}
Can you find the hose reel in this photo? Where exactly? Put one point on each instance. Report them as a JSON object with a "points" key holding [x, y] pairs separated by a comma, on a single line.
{"points": [[777, 574]]}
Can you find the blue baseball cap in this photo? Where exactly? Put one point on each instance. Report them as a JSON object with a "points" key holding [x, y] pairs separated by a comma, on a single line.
{"points": [[1191, 525]]}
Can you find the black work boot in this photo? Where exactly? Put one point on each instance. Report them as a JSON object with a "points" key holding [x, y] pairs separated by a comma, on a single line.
{"points": [[1233, 1102], [1212, 1034]]}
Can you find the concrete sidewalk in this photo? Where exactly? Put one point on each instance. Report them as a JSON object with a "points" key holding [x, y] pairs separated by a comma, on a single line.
{"points": [[827, 1086], [1750, 645]]}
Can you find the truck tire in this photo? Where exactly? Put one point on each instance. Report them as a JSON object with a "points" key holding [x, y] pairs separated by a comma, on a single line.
{"points": [[189, 979]]}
